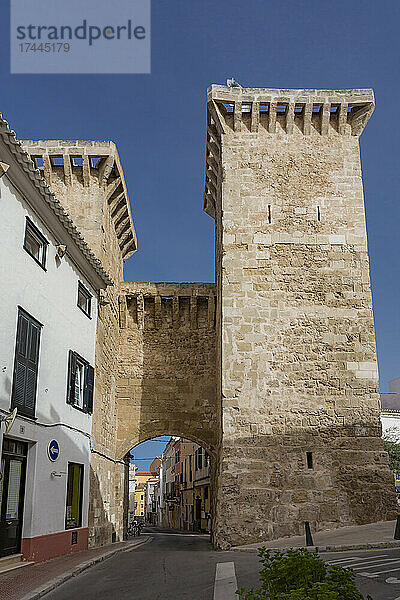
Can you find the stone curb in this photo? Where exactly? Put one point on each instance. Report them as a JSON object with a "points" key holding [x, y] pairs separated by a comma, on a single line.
{"points": [[323, 549], [55, 583]]}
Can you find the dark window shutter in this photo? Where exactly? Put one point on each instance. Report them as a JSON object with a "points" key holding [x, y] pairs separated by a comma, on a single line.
{"points": [[33, 348], [26, 365], [22, 335], [18, 399], [32, 367], [30, 390], [88, 393], [71, 377]]}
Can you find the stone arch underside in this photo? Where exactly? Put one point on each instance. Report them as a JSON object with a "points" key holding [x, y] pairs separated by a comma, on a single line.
{"points": [[167, 365]]}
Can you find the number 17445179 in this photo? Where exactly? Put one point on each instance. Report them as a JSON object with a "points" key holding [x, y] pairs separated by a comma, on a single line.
{"points": [[46, 47]]}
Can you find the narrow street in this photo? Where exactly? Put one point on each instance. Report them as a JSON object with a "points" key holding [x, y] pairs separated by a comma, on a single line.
{"points": [[177, 566], [172, 566]]}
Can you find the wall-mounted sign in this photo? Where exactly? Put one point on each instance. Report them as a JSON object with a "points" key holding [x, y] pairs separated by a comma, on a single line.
{"points": [[53, 450]]}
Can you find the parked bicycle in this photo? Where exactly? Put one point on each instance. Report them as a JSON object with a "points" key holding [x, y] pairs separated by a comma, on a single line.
{"points": [[135, 528]]}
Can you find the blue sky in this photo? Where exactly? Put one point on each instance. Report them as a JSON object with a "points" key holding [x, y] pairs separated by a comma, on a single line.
{"points": [[158, 121], [143, 454]]}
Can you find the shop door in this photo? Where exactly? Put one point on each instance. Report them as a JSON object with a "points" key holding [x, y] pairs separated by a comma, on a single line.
{"points": [[12, 487]]}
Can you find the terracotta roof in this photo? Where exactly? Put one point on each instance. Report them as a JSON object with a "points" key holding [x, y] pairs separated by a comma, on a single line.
{"points": [[9, 138]]}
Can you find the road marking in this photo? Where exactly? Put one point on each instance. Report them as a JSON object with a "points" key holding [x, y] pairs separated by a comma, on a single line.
{"points": [[365, 550], [392, 580], [343, 560], [378, 564], [379, 572], [337, 562], [225, 582]]}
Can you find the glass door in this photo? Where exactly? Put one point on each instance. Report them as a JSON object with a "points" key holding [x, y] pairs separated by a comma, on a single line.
{"points": [[12, 488]]}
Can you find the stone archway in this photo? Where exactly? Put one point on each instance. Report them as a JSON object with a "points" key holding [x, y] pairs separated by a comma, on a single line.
{"points": [[210, 449], [167, 364]]}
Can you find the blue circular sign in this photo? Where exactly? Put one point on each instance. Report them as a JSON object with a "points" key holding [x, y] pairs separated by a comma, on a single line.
{"points": [[53, 450]]}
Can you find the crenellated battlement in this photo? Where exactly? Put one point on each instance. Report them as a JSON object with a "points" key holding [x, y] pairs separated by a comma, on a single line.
{"points": [[311, 115], [343, 112], [150, 306], [80, 165]]}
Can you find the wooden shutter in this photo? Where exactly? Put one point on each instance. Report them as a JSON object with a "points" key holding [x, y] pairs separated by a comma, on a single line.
{"points": [[71, 377], [26, 364], [88, 391]]}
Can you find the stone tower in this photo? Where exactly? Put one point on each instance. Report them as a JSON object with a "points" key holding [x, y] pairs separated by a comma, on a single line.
{"points": [[88, 180], [298, 381], [273, 368]]}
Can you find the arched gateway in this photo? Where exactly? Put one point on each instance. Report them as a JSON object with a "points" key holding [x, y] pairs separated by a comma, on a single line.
{"points": [[273, 370], [167, 364]]}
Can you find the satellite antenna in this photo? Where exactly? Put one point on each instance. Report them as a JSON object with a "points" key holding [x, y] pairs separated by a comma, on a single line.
{"points": [[9, 421]]}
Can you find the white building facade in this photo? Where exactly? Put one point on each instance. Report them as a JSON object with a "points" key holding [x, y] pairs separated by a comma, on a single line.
{"points": [[132, 490], [390, 410], [50, 281], [151, 513]]}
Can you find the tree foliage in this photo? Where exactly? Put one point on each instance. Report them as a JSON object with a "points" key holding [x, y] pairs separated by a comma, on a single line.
{"points": [[301, 575], [391, 443]]}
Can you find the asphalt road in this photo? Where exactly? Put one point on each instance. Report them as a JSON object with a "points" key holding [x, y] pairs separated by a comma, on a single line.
{"points": [[175, 566], [377, 571]]}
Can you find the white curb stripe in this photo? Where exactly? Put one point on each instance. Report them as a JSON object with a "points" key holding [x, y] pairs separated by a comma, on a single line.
{"points": [[225, 582]]}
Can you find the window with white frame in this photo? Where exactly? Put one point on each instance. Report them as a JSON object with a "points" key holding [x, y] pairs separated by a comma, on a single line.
{"points": [[80, 383], [35, 243], [84, 299], [77, 392]]}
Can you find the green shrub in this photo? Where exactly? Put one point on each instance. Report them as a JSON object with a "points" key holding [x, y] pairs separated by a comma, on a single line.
{"points": [[301, 575]]}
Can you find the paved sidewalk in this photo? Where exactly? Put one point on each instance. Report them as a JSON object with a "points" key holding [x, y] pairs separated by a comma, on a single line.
{"points": [[34, 581], [374, 535]]}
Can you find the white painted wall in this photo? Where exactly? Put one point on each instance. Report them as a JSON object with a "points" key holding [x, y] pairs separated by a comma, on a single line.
{"points": [[50, 297], [390, 421]]}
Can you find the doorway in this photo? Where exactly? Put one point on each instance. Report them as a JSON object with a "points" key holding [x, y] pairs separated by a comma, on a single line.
{"points": [[12, 489]]}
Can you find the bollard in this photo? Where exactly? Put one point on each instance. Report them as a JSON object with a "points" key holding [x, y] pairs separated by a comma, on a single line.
{"points": [[397, 530], [309, 540]]}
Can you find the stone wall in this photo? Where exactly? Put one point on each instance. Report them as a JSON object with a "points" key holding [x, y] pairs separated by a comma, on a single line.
{"points": [[107, 471], [295, 323], [167, 378]]}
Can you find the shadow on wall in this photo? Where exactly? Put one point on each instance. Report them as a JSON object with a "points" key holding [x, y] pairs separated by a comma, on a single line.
{"points": [[270, 484], [101, 529], [167, 368]]}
